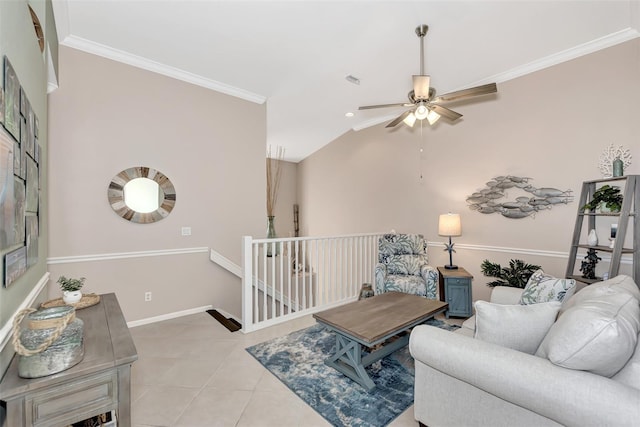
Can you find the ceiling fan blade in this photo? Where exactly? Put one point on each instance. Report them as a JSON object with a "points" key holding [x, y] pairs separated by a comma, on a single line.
{"points": [[398, 119], [466, 93], [371, 107], [421, 87], [445, 112]]}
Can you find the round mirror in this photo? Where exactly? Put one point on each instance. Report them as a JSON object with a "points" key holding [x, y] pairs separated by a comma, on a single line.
{"points": [[141, 195]]}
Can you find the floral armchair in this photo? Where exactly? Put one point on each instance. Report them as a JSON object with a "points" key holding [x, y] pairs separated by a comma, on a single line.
{"points": [[403, 266]]}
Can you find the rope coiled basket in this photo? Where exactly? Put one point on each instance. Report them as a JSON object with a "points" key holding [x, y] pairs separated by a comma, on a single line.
{"points": [[52, 342]]}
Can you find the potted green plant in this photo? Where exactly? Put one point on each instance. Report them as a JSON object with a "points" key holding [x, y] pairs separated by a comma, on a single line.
{"points": [[516, 275], [606, 198], [71, 289]]}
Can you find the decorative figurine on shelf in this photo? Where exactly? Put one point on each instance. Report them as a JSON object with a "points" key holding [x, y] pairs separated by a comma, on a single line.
{"points": [[608, 166], [618, 167], [614, 232], [588, 267]]}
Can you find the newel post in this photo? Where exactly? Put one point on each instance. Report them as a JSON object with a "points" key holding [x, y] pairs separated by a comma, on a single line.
{"points": [[247, 315]]}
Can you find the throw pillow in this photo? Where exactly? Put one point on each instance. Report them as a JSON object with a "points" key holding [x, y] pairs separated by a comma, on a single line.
{"points": [[542, 287], [597, 335], [519, 327]]}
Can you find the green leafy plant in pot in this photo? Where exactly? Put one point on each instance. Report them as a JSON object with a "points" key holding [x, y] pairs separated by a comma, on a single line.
{"points": [[607, 197], [516, 275], [71, 289]]}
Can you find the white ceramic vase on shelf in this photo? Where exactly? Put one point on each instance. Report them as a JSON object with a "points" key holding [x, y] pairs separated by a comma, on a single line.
{"points": [[71, 297], [592, 238]]}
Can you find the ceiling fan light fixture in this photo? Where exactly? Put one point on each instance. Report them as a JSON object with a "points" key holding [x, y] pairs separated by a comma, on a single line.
{"points": [[421, 111], [432, 117], [410, 120]]}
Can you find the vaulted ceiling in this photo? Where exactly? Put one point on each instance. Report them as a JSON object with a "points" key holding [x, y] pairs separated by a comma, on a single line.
{"points": [[296, 55]]}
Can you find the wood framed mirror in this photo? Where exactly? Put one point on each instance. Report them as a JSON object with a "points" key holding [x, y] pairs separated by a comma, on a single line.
{"points": [[141, 194]]}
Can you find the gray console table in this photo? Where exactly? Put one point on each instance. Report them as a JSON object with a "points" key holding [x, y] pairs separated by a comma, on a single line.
{"points": [[99, 384]]}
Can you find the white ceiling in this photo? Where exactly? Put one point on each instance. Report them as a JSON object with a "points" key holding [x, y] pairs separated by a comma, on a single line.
{"points": [[295, 55]]}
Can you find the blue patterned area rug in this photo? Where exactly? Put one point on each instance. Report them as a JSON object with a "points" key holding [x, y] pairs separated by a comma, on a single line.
{"points": [[298, 359]]}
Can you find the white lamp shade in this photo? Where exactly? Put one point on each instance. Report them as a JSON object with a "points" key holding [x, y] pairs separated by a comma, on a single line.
{"points": [[449, 225], [410, 120], [432, 117]]}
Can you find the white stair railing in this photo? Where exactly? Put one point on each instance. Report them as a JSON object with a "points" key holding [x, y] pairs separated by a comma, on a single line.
{"points": [[286, 278]]}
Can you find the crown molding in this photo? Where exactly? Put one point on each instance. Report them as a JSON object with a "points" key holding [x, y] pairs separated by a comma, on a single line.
{"points": [[564, 56], [98, 49]]}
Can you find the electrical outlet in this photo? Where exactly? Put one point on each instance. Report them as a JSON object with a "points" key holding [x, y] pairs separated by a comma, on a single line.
{"points": [[186, 231], [147, 296]]}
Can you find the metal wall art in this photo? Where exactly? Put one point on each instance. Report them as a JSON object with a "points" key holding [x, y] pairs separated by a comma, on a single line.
{"points": [[19, 179], [488, 201], [609, 155]]}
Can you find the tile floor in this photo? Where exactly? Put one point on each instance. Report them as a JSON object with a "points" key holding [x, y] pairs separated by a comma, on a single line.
{"points": [[192, 371]]}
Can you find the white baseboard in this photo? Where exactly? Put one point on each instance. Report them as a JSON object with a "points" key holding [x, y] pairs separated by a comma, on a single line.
{"points": [[168, 316], [177, 314]]}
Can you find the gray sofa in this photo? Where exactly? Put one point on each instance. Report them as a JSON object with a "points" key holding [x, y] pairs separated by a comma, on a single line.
{"points": [[585, 371]]}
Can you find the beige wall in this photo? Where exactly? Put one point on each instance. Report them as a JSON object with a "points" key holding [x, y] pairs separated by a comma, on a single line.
{"points": [[106, 117], [551, 126], [18, 42]]}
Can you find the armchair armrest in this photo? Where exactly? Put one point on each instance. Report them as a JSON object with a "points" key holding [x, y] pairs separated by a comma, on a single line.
{"points": [[380, 274], [430, 276], [569, 397]]}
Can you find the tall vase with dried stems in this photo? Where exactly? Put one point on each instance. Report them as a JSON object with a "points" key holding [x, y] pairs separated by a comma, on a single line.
{"points": [[274, 172]]}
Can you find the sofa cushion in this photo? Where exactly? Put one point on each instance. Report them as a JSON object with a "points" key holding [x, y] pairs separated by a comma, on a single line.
{"points": [[413, 285], [405, 264], [543, 287], [620, 283], [596, 334], [630, 374], [519, 327]]}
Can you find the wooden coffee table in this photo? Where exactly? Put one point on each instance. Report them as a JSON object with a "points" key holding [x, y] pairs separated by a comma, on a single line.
{"points": [[370, 322]]}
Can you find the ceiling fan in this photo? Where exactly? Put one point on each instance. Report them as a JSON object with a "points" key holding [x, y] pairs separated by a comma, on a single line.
{"points": [[424, 102]]}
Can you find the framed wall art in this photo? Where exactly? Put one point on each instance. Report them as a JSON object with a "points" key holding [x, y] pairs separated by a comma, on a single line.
{"points": [[15, 265], [17, 159], [32, 185], [7, 210], [19, 209], [11, 100], [29, 128], [1, 105], [32, 231], [23, 103]]}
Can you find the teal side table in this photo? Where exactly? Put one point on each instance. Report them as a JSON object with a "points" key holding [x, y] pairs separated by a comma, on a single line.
{"points": [[455, 289]]}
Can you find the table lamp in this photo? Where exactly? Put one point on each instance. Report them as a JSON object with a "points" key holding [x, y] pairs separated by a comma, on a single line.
{"points": [[449, 225]]}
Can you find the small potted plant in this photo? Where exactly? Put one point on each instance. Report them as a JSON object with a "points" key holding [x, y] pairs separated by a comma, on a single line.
{"points": [[71, 289], [606, 198]]}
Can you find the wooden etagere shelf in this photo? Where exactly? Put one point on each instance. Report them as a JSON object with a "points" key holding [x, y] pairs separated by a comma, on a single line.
{"points": [[626, 217]]}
